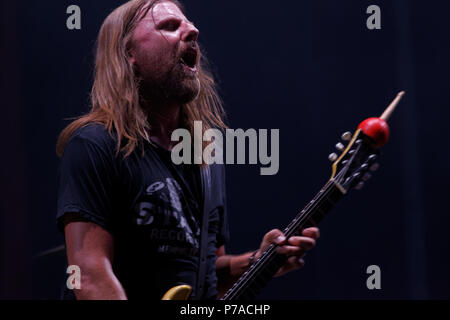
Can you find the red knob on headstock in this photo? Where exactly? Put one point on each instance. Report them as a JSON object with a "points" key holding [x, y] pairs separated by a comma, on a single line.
{"points": [[377, 129]]}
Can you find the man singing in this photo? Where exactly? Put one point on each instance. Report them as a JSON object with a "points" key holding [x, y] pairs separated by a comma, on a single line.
{"points": [[135, 223]]}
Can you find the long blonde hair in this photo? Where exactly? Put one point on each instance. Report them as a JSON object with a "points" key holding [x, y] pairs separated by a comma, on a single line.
{"points": [[115, 99]]}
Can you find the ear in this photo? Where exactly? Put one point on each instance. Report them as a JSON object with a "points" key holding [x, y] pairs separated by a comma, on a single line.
{"points": [[131, 57], [130, 53]]}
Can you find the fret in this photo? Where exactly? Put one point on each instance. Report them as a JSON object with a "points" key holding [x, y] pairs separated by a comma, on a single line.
{"points": [[254, 286], [330, 201], [319, 214], [326, 205], [310, 223], [246, 295], [259, 283]]}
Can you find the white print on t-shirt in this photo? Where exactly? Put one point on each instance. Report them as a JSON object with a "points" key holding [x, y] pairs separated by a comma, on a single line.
{"points": [[164, 211]]}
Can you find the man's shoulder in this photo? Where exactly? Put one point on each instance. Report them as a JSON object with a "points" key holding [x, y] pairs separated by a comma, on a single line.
{"points": [[95, 134]]}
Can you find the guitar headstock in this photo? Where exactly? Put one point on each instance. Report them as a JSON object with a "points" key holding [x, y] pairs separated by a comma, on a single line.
{"points": [[352, 167], [358, 158]]}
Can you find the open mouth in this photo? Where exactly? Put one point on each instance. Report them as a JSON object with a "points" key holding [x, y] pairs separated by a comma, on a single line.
{"points": [[189, 59]]}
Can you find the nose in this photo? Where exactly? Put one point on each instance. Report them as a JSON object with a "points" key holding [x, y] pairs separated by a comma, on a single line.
{"points": [[190, 32]]}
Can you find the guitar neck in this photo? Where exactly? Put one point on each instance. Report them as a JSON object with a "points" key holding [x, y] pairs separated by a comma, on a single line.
{"points": [[259, 274]]}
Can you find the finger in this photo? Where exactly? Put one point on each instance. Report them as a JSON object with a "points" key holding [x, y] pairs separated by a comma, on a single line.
{"points": [[305, 243], [293, 263], [311, 232], [290, 250], [274, 236]]}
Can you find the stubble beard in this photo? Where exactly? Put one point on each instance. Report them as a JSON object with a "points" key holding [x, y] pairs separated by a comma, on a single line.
{"points": [[180, 86], [170, 85]]}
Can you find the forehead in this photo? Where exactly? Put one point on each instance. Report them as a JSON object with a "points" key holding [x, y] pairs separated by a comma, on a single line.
{"points": [[163, 10]]}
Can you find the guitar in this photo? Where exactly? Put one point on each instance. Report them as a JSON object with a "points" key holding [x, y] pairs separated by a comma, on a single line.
{"points": [[350, 170]]}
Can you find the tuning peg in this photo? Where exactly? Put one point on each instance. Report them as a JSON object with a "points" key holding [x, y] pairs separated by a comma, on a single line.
{"points": [[374, 167], [358, 141], [346, 136], [340, 146], [372, 158], [367, 176], [359, 186], [333, 157]]}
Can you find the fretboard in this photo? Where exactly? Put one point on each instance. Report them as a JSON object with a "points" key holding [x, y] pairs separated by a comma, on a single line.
{"points": [[261, 272]]}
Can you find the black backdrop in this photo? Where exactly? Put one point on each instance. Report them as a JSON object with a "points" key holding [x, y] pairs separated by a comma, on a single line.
{"points": [[309, 68]]}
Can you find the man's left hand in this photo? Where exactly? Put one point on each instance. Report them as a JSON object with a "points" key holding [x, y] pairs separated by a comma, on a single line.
{"points": [[294, 248]]}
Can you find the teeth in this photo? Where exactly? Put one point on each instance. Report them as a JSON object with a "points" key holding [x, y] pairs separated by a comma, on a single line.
{"points": [[193, 68]]}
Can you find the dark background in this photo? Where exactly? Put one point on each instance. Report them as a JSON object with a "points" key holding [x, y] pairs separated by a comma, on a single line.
{"points": [[309, 68]]}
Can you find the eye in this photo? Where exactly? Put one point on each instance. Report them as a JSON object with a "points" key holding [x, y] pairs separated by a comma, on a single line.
{"points": [[169, 25]]}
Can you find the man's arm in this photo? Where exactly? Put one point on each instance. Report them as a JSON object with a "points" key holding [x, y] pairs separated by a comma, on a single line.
{"points": [[230, 267], [91, 247]]}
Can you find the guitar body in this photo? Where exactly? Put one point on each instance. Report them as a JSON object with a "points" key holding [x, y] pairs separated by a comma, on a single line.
{"points": [[181, 292]]}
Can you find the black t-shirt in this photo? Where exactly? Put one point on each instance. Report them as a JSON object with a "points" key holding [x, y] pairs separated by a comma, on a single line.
{"points": [[153, 208]]}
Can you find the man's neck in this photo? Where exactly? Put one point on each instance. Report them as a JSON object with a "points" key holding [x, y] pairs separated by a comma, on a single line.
{"points": [[163, 120]]}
